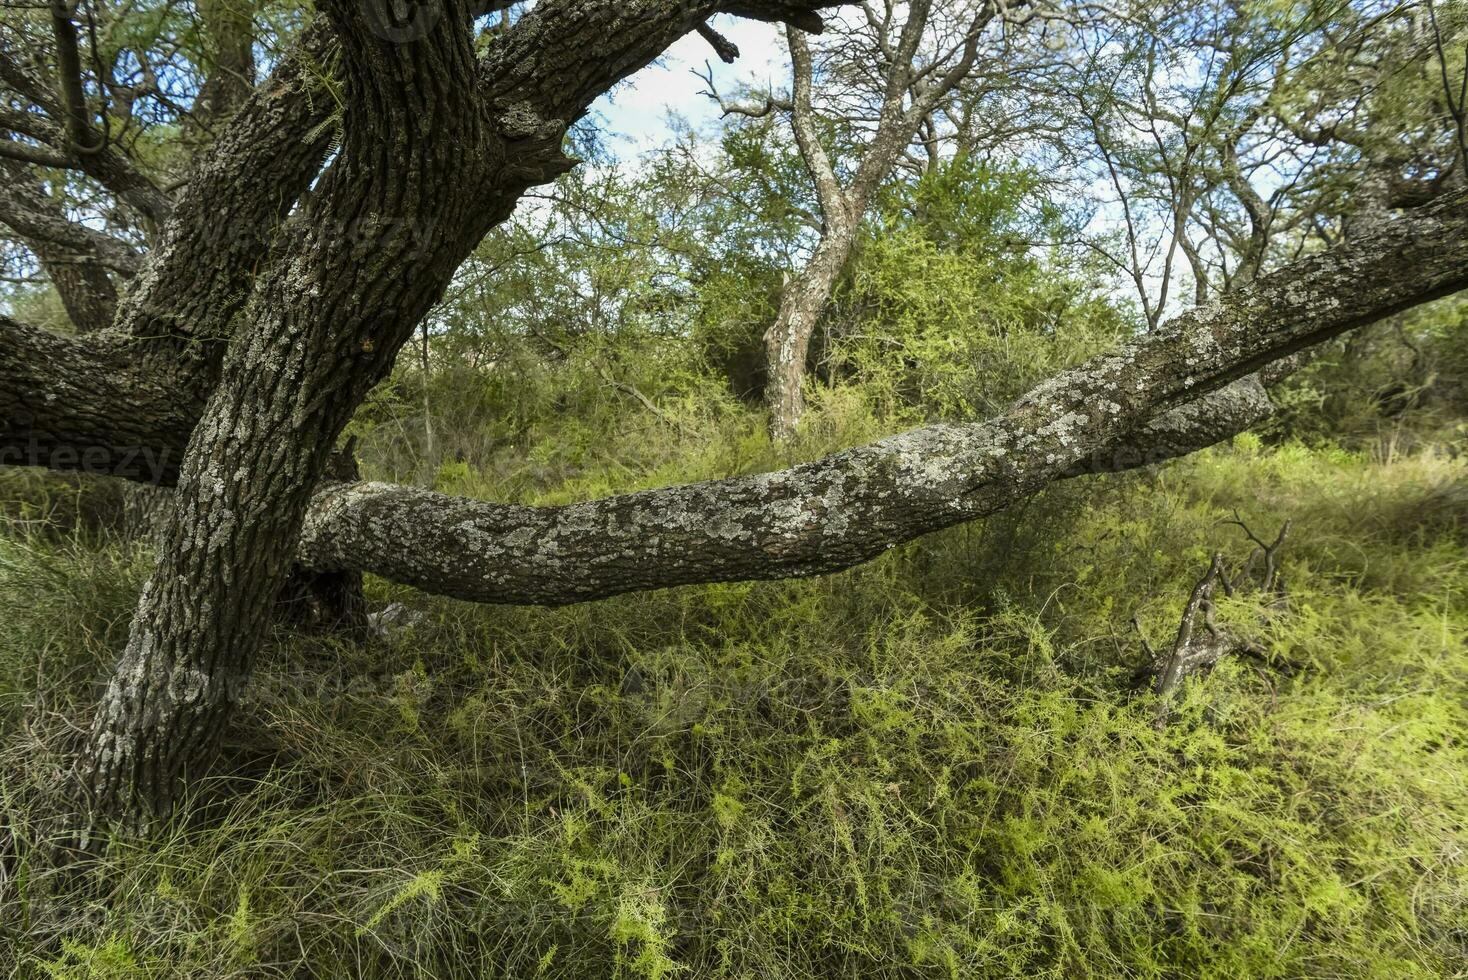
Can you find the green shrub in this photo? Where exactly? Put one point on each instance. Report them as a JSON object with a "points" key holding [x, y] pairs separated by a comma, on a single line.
{"points": [[932, 765]]}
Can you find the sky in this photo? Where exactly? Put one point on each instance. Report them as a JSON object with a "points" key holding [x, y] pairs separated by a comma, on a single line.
{"points": [[638, 110]]}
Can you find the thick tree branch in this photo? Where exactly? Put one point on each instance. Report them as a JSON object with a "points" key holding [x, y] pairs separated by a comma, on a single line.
{"points": [[36, 217], [796, 13], [39, 156], [81, 405], [23, 79], [1191, 379], [182, 306], [542, 61], [807, 521], [847, 508]]}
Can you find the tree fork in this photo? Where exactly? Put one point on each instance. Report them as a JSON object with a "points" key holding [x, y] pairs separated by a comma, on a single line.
{"points": [[436, 151]]}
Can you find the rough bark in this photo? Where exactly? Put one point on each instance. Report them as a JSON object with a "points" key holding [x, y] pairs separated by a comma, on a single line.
{"points": [[83, 405], [181, 309], [319, 336], [100, 416], [86, 291], [327, 601], [1193, 380], [429, 161], [211, 242], [124, 403], [231, 33]]}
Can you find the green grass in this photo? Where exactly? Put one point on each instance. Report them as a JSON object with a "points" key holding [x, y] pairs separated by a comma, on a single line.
{"points": [[930, 766]]}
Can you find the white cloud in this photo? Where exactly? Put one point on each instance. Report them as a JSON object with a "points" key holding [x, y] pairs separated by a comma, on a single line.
{"points": [[638, 110]]}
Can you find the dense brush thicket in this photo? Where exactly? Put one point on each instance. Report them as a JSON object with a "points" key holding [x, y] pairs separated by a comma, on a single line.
{"points": [[938, 765]]}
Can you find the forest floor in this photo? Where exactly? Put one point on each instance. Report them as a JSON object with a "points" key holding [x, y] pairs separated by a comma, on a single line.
{"points": [[936, 765]]}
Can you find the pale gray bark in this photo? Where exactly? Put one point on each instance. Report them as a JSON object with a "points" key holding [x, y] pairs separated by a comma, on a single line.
{"points": [[912, 92], [809, 520], [1187, 385]]}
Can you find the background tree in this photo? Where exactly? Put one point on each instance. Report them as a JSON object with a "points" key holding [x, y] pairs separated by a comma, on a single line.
{"points": [[891, 76], [1234, 138]]}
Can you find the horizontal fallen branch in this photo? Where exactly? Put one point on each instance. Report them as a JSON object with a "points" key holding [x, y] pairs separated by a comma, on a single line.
{"points": [[808, 520], [1182, 388]]}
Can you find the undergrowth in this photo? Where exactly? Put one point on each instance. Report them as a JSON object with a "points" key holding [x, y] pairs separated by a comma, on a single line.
{"points": [[934, 765]]}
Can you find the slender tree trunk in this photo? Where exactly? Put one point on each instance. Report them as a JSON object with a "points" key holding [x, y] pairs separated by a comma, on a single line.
{"points": [[787, 342], [430, 449]]}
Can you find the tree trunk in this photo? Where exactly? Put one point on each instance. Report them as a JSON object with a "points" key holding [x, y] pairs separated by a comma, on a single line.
{"points": [[319, 336], [787, 342], [85, 289], [75, 258], [327, 601], [437, 148]]}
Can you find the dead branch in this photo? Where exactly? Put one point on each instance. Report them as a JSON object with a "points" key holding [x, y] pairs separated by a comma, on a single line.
{"points": [[1200, 642]]}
